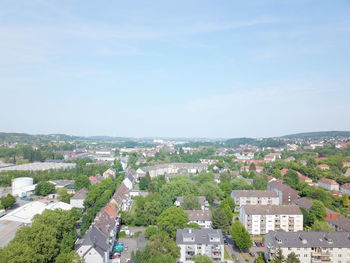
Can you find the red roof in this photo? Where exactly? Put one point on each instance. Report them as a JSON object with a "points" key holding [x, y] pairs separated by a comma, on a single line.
{"points": [[321, 159], [346, 186], [328, 181], [346, 164], [93, 179], [111, 210], [284, 171]]}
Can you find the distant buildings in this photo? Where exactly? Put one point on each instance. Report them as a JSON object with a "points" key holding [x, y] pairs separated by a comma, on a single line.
{"points": [[345, 189], [310, 247], [328, 184], [172, 168], [39, 166], [254, 197], [205, 241], [260, 219]]}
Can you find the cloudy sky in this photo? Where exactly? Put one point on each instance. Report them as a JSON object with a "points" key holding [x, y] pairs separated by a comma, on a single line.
{"points": [[195, 68]]}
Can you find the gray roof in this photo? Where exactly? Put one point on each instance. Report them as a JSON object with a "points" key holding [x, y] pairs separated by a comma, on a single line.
{"points": [[175, 165], [62, 183], [200, 236], [282, 187], [81, 194], [307, 203], [198, 215], [201, 200], [272, 210], [340, 222], [253, 193], [307, 239], [94, 238]]}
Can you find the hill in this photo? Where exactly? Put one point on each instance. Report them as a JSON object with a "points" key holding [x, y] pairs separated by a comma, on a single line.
{"points": [[318, 135]]}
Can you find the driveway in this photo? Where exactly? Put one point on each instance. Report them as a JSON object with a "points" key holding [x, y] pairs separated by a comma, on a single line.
{"points": [[133, 244]]}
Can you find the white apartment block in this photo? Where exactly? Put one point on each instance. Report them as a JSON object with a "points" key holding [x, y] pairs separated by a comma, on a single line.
{"points": [[310, 247], [205, 241], [260, 219], [254, 197]]}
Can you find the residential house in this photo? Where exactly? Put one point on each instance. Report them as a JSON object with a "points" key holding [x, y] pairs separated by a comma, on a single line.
{"points": [[345, 189], [201, 200], [309, 246], [122, 198], [271, 157], [328, 184], [204, 241], [109, 173], [200, 217], [208, 161], [323, 166], [79, 197], [306, 204], [260, 219], [254, 197], [258, 169], [285, 193], [340, 223], [346, 164], [93, 180]]}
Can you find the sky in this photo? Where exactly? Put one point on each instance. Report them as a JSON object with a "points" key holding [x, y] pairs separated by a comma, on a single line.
{"points": [[184, 68]]}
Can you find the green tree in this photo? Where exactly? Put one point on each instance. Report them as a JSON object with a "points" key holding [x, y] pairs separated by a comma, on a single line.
{"points": [[260, 259], [172, 219], [143, 183], [260, 182], [63, 195], [201, 259], [151, 231], [193, 225], [82, 181], [8, 201], [71, 257], [220, 220], [229, 202], [345, 200], [321, 225], [225, 188], [118, 166], [291, 178], [191, 203], [44, 188], [279, 258], [292, 258], [318, 210], [241, 236]]}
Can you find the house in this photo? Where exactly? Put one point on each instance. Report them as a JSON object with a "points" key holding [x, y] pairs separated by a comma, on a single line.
{"points": [[271, 157], [345, 189], [285, 193], [346, 164], [340, 223], [93, 180], [204, 241], [306, 204], [244, 155], [93, 247], [67, 184], [323, 166], [208, 161], [289, 159], [79, 197], [328, 184], [201, 200], [258, 169], [109, 173], [309, 246], [200, 217], [341, 145], [171, 168], [302, 178], [260, 219], [254, 197], [122, 198]]}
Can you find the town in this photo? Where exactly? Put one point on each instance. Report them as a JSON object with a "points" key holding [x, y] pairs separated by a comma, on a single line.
{"points": [[120, 200]]}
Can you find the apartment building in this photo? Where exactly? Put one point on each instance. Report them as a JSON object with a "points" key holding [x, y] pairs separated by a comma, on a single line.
{"points": [[204, 241], [260, 219], [200, 217], [254, 197], [285, 193], [309, 246]]}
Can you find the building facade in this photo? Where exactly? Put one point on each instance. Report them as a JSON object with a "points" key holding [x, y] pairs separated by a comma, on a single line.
{"points": [[260, 219], [254, 197]]}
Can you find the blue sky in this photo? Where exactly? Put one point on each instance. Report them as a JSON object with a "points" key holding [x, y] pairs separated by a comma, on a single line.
{"points": [[174, 68]]}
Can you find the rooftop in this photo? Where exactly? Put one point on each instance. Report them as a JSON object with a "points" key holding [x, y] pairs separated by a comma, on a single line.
{"points": [[199, 236], [254, 193], [38, 166], [198, 215], [272, 210]]}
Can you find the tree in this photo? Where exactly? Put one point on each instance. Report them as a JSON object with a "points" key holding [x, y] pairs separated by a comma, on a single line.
{"points": [[229, 202], [191, 203], [151, 231], [318, 210], [260, 182], [278, 258], [8, 201], [82, 181], [345, 200], [63, 195], [172, 219], [240, 235], [291, 178], [201, 259], [220, 220], [228, 212], [321, 225], [252, 167], [225, 188], [44, 188], [260, 259], [71, 257], [292, 258], [193, 225], [225, 177], [118, 165], [143, 184], [211, 192]]}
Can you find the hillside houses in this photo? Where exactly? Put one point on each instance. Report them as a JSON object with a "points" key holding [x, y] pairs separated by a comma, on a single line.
{"points": [[328, 184]]}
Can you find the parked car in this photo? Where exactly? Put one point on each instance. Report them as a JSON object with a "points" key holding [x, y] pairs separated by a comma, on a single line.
{"points": [[253, 244], [262, 244], [257, 244]]}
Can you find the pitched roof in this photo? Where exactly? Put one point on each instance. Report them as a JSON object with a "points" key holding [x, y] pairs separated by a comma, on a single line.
{"points": [[199, 236], [120, 194], [198, 215], [254, 193], [345, 186], [81, 194], [341, 222], [95, 238], [282, 187], [327, 181], [111, 210], [272, 210]]}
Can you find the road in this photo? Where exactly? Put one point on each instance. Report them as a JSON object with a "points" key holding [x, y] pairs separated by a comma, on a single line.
{"points": [[232, 250]]}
